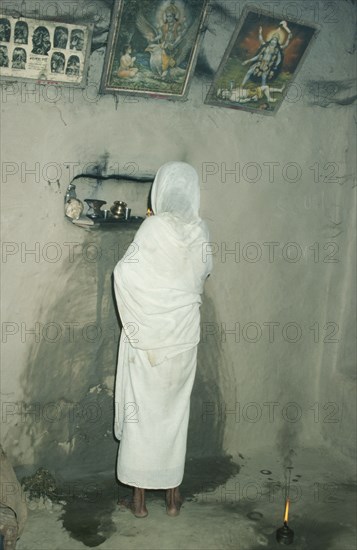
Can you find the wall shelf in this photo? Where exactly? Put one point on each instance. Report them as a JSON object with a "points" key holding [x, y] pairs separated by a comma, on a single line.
{"points": [[89, 223]]}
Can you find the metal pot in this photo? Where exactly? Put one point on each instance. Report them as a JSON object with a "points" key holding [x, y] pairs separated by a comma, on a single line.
{"points": [[118, 210]]}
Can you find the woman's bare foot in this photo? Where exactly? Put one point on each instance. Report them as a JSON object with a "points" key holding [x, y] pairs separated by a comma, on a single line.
{"points": [[139, 508], [173, 502], [137, 505]]}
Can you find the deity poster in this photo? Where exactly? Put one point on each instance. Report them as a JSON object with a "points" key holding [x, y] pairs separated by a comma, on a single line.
{"points": [[45, 51], [152, 47], [260, 63]]}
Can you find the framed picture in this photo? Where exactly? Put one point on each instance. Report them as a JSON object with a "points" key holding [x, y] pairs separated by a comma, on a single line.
{"points": [[261, 61], [152, 47], [45, 51]]}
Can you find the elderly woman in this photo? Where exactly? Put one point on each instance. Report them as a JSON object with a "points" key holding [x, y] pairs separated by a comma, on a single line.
{"points": [[158, 287]]}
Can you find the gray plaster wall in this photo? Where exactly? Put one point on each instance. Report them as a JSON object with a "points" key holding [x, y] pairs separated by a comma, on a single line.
{"points": [[255, 386]]}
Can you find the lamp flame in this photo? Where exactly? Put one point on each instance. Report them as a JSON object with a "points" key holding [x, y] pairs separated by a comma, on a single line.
{"points": [[286, 515], [284, 534]]}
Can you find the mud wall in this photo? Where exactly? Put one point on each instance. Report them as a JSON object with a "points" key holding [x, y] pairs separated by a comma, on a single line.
{"points": [[276, 358]]}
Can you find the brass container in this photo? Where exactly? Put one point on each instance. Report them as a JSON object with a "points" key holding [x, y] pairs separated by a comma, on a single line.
{"points": [[118, 210]]}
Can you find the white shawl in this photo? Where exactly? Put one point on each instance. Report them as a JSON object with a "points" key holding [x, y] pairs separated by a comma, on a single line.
{"points": [[159, 281]]}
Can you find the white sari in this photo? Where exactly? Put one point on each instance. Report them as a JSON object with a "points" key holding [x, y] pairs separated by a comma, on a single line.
{"points": [[158, 287]]}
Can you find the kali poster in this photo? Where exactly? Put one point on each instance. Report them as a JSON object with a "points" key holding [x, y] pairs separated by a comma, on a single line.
{"points": [[260, 62]]}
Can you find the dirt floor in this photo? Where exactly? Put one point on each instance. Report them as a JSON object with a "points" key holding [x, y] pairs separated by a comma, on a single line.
{"points": [[242, 513]]}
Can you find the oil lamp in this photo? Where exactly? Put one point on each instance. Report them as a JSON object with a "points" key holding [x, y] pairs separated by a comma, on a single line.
{"points": [[285, 535]]}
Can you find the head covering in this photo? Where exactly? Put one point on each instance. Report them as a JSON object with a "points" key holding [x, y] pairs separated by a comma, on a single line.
{"points": [[158, 288], [176, 190]]}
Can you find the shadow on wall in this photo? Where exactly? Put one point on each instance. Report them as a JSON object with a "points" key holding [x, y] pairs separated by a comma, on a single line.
{"points": [[68, 384], [206, 427]]}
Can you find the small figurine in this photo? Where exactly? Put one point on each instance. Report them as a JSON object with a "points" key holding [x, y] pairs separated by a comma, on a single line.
{"points": [[73, 208]]}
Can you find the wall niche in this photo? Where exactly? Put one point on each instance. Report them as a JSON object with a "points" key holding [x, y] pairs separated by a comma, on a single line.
{"points": [[89, 199]]}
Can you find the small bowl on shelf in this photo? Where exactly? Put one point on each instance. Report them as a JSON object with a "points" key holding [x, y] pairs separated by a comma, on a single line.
{"points": [[95, 205]]}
